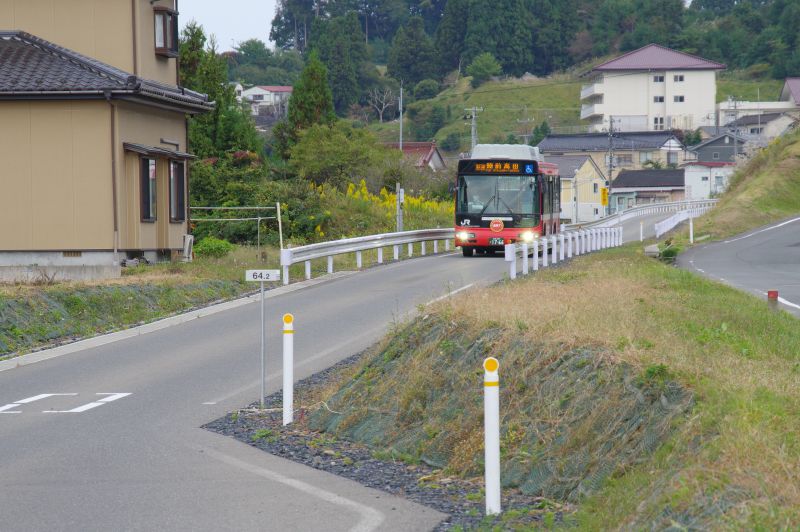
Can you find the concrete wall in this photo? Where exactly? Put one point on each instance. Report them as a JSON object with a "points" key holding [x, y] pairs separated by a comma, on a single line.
{"points": [[56, 176], [143, 125]]}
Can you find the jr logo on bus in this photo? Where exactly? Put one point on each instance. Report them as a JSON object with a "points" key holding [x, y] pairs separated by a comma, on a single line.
{"points": [[496, 225]]}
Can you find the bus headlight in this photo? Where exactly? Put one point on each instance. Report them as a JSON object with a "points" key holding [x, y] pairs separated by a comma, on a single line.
{"points": [[462, 235], [527, 236]]}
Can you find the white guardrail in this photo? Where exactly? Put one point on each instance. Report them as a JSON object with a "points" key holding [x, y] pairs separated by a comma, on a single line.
{"points": [[310, 252], [559, 246], [667, 225], [574, 239]]}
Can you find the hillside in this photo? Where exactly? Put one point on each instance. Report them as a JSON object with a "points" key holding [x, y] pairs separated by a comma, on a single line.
{"points": [[516, 106], [764, 191]]}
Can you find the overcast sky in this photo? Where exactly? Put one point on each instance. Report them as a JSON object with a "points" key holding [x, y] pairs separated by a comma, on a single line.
{"points": [[232, 21]]}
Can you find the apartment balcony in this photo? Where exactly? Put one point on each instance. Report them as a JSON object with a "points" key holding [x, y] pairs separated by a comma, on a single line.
{"points": [[592, 91], [591, 110]]}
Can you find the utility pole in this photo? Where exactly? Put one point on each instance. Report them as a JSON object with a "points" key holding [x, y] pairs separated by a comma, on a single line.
{"points": [[527, 120], [474, 111], [610, 160], [401, 115]]}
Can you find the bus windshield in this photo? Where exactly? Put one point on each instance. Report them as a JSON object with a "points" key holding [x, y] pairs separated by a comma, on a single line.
{"points": [[496, 194]]}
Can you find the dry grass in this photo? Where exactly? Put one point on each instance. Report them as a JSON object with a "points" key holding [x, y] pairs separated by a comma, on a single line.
{"points": [[740, 359]]}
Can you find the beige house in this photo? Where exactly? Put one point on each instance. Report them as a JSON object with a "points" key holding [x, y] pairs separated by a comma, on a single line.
{"points": [[94, 137], [581, 173], [621, 151]]}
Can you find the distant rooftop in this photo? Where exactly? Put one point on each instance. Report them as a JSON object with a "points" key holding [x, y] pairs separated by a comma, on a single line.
{"points": [[657, 57], [791, 87], [276, 88], [751, 120], [568, 164], [641, 140], [650, 179]]}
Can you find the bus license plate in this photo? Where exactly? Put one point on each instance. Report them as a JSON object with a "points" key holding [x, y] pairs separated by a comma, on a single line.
{"points": [[496, 242]]}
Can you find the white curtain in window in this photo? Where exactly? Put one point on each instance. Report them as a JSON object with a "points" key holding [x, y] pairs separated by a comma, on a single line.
{"points": [[160, 30]]}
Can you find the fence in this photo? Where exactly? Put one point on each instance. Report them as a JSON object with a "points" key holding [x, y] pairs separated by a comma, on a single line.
{"points": [[671, 222], [646, 210], [290, 256]]}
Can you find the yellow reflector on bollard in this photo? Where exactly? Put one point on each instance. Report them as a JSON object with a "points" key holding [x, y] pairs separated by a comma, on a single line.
{"points": [[491, 364], [288, 318]]}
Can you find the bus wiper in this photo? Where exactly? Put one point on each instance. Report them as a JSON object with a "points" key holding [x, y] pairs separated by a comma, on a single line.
{"points": [[486, 205], [507, 207]]}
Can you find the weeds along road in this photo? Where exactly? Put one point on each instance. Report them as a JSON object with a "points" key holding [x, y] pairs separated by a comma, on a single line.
{"points": [[108, 438], [764, 259]]}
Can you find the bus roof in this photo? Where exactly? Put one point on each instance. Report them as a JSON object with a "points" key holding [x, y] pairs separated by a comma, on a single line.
{"points": [[521, 152]]}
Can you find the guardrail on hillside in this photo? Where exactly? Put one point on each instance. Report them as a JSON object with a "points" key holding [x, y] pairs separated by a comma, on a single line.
{"points": [[290, 256], [645, 210], [668, 224]]}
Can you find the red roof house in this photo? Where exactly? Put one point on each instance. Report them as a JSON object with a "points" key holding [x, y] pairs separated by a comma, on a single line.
{"points": [[422, 154]]}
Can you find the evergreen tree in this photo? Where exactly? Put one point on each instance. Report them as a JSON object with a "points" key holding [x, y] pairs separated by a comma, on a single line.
{"points": [[482, 68], [502, 28], [412, 57], [311, 103], [450, 34]]}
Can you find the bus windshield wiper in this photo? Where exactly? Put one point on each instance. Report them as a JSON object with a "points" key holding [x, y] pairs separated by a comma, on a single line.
{"points": [[507, 207], [486, 205]]}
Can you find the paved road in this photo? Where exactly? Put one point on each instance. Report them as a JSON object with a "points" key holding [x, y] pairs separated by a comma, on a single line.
{"points": [[100, 460], [761, 260]]}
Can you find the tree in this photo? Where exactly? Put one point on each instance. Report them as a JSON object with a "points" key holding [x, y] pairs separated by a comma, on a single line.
{"points": [[412, 57], [502, 28], [450, 34], [539, 133], [381, 99], [483, 67], [426, 89], [311, 103]]}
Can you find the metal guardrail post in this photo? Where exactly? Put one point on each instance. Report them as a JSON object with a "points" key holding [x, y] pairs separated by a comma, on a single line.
{"points": [[535, 254], [524, 258], [561, 246]]}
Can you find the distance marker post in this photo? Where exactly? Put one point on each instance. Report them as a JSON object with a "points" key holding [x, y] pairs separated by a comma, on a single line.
{"points": [[261, 277], [491, 431], [288, 368]]}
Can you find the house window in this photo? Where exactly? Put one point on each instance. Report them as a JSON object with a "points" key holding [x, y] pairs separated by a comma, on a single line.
{"points": [[672, 157], [625, 160], [658, 123], [645, 156], [678, 99], [658, 79], [177, 192], [658, 99], [595, 189], [677, 77], [704, 178], [166, 31], [148, 187], [715, 155], [756, 130], [258, 97]]}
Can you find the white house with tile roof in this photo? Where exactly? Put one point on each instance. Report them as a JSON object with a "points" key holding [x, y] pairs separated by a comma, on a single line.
{"points": [[651, 89]]}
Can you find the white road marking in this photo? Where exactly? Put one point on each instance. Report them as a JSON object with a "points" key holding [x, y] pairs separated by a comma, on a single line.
{"points": [[90, 406], [788, 303], [209, 403], [41, 396], [371, 518], [761, 231], [6, 409], [450, 294]]}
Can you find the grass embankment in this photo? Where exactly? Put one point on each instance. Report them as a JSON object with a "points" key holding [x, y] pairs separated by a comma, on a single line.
{"points": [[598, 364], [764, 191]]}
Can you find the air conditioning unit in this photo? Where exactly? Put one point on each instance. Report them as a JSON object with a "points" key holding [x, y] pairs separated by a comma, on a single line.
{"points": [[188, 248]]}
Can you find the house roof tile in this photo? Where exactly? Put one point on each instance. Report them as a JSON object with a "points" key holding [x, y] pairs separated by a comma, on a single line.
{"points": [[657, 57], [649, 178], [33, 67], [568, 164], [276, 88], [750, 120], [421, 152], [791, 87], [641, 140]]}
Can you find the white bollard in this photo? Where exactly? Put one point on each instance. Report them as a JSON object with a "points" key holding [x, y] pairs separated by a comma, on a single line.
{"points": [[535, 255], [358, 260], [423, 248], [511, 259], [641, 231], [380, 255], [545, 252], [691, 230], [561, 246], [524, 258], [396, 252], [410, 249], [288, 369], [330, 263], [435, 247], [569, 245], [554, 247], [621, 235], [308, 269], [491, 434]]}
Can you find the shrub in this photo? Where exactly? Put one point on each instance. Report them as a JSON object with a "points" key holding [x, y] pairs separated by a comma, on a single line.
{"points": [[425, 89], [213, 247], [452, 142], [483, 67]]}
